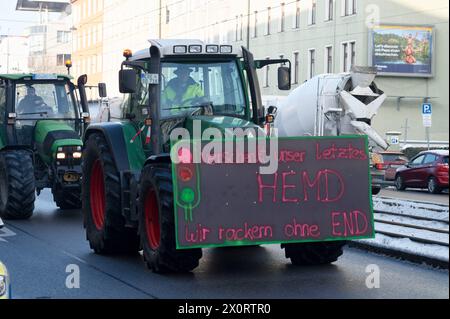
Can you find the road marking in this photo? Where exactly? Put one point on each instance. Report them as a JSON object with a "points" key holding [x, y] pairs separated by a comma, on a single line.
{"points": [[6, 232]]}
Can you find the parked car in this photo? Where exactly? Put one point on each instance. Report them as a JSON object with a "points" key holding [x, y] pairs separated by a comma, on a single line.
{"points": [[428, 169], [389, 162]]}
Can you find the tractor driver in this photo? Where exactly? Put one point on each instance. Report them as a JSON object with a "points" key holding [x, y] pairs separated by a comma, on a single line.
{"points": [[182, 90], [30, 102]]}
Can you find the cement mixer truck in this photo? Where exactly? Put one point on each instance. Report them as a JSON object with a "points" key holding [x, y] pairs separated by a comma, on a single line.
{"points": [[334, 105]]}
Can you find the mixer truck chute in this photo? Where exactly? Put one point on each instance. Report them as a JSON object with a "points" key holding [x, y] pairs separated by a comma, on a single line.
{"points": [[335, 105]]}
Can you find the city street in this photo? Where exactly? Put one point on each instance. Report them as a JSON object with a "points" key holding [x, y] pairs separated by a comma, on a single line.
{"points": [[37, 252]]}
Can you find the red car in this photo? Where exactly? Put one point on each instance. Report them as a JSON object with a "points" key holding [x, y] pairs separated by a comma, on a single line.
{"points": [[428, 169], [389, 161]]}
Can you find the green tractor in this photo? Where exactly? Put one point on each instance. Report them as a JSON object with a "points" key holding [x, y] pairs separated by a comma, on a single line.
{"points": [[41, 124], [127, 183]]}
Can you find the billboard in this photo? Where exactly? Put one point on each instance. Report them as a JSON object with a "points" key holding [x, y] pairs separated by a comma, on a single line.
{"points": [[402, 50]]}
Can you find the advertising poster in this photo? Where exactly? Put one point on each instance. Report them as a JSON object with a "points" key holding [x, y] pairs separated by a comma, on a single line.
{"points": [[402, 50]]}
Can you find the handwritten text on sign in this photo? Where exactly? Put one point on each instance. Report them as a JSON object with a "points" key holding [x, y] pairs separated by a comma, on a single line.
{"points": [[321, 191]]}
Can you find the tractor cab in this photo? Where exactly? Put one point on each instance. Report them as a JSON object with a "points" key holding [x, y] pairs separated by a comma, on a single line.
{"points": [[176, 82]]}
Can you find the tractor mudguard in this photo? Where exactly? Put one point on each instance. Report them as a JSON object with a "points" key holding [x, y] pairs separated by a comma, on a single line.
{"points": [[161, 158], [113, 133]]}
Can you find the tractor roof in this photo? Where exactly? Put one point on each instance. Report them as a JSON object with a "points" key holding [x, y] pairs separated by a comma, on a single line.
{"points": [[188, 47], [34, 76]]}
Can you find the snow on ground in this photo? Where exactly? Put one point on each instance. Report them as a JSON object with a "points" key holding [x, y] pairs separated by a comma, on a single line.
{"points": [[412, 221], [412, 232], [419, 209], [406, 245]]}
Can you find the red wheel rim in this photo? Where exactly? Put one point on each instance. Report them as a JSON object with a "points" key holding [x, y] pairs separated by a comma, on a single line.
{"points": [[97, 195], [151, 212]]}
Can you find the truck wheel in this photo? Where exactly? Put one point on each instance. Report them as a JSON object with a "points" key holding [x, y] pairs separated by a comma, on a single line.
{"points": [[67, 199], [101, 204], [318, 253], [17, 188], [157, 223]]}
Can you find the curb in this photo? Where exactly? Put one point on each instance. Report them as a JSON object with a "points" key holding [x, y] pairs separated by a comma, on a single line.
{"points": [[401, 254]]}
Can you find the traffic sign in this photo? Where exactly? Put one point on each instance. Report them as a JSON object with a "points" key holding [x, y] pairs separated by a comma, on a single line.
{"points": [[427, 108], [427, 121]]}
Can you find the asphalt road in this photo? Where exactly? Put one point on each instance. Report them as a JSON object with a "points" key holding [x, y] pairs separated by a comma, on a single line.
{"points": [[38, 251], [417, 195]]}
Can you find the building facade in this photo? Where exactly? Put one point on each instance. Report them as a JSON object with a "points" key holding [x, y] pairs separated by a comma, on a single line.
{"points": [[87, 41], [317, 36], [329, 36], [13, 54]]}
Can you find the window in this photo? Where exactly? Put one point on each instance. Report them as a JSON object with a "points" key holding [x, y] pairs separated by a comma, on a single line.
{"points": [[348, 7], [312, 12], [348, 55], [167, 15], [268, 21], [241, 28], [312, 62], [329, 10], [62, 58], [255, 30], [352, 53], [220, 82], [296, 65], [266, 78], [236, 33], [430, 158], [62, 36], [418, 160], [329, 59], [282, 17], [297, 14]]}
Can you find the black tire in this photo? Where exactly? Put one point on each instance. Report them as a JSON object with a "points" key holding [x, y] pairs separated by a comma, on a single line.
{"points": [[17, 187], [376, 190], [102, 217], [433, 187], [399, 183], [67, 199], [319, 253], [156, 197]]}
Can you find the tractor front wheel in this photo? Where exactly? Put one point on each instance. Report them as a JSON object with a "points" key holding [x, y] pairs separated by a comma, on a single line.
{"points": [[318, 253], [101, 204], [17, 187], [157, 223]]}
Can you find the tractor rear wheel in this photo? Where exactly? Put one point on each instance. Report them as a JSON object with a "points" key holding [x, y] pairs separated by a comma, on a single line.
{"points": [[101, 203], [17, 188], [67, 198], [319, 253], [157, 223]]}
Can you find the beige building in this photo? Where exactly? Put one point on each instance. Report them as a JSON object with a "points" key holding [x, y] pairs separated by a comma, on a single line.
{"points": [[87, 43]]}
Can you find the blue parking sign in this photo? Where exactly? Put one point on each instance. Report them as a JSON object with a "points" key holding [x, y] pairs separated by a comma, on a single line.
{"points": [[427, 108]]}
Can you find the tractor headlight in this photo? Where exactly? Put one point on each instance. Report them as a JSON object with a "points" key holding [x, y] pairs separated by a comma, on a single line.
{"points": [[76, 155], [60, 155], [3, 286]]}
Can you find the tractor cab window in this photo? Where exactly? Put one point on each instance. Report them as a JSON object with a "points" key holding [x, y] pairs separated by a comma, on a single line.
{"points": [[44, 100], [202, 89]]}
